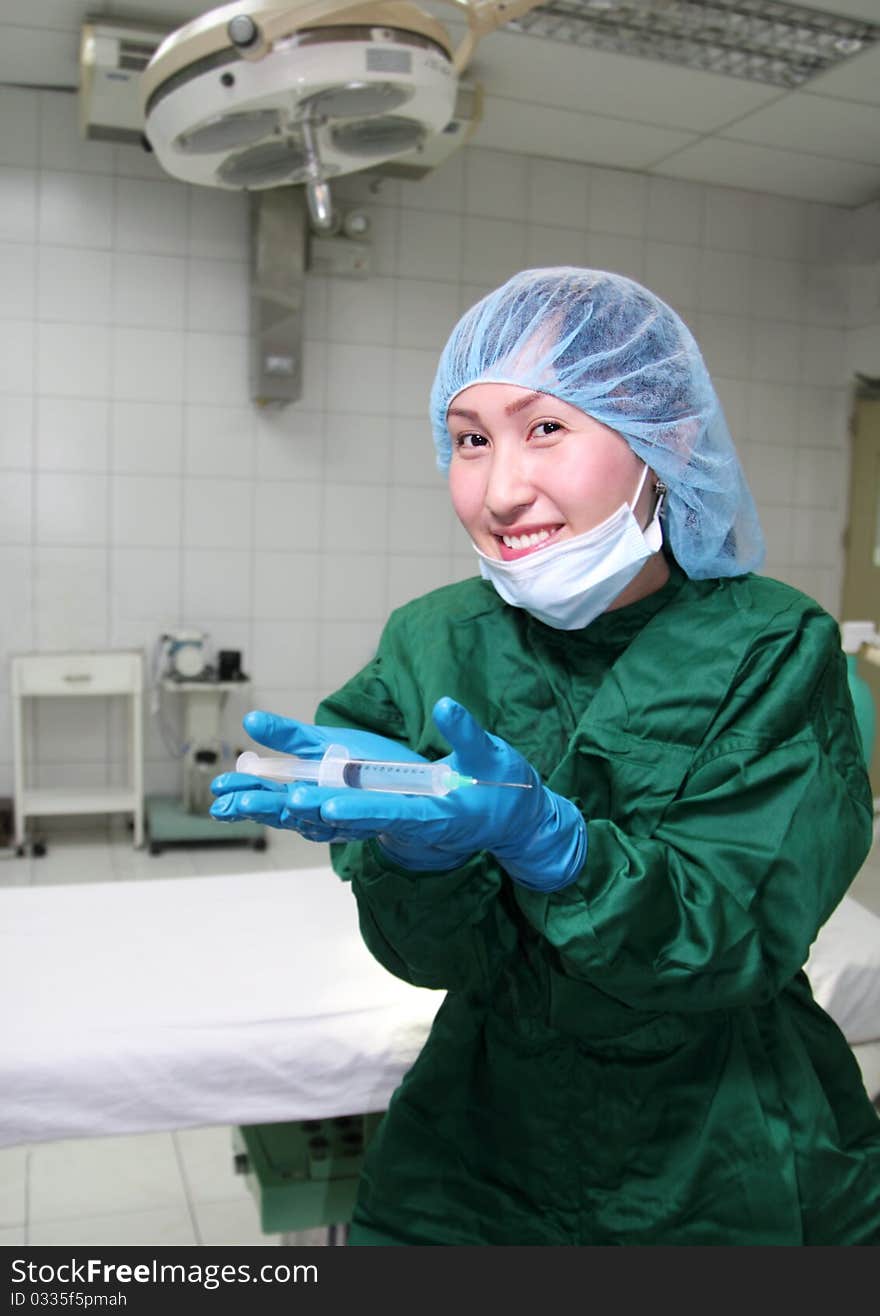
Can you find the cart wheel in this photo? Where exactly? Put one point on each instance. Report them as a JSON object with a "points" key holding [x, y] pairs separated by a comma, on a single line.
{"points": [[260, 844], [155, 847], [20, 851], [38, 849]]}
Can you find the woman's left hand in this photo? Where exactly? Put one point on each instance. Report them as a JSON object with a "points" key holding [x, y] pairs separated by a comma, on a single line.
{"points": [[241, 795]]}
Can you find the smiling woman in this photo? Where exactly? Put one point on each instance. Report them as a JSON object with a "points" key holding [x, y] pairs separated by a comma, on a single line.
{"points": [[501, 488], [629, 1051], [556, 486]]}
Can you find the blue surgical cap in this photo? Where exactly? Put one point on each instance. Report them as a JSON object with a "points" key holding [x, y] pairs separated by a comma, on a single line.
{"points": [[608, 346]]}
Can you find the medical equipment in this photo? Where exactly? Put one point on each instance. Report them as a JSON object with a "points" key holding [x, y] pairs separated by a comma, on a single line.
{"points": [[263, 93], [185, 654], [337, 768], [86, 674], [304, 1173], [185, 675]]}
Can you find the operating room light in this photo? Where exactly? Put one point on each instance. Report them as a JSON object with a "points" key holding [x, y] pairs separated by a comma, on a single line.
{"points": [[766, 41]]}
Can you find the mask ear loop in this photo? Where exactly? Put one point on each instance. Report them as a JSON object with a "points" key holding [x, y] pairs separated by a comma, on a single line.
{"points": [[653, 532]]}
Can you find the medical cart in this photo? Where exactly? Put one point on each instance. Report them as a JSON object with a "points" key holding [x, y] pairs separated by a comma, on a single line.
{"points": [[90, 674]]}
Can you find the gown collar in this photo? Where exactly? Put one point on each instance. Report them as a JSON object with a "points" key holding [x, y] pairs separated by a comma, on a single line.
{"points": [[615, 629]]}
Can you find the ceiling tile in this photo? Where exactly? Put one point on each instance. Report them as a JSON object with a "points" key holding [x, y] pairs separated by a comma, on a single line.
{"points": [[623, 86], [783, 173], [52, 13], [856, 80], [848, 8], [72, 13], [515, 125], [39, 58], [816, 124]]}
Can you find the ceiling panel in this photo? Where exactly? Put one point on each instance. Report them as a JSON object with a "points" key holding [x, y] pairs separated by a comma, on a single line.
{"points": [[869, 9], [858, 79], [70, 13], [623, 86], [39, 58], [786, 173], [46, 13], [515, 125], [816, 124]]}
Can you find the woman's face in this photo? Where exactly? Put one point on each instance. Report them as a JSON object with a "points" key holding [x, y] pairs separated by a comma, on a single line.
{"points": [[528, 470]]}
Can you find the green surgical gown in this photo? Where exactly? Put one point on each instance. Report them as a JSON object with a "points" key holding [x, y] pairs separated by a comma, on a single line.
{"points": [[635, 1059]]}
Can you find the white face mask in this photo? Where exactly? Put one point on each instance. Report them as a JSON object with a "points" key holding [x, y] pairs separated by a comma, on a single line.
{"points": [[570, 583]]}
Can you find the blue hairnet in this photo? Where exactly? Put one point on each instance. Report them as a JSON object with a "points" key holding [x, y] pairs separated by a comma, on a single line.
{"points": [[613, 349]]}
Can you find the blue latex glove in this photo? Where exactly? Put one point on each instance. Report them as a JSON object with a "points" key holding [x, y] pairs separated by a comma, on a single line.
{"points": [[243, 796], [538, 836]]}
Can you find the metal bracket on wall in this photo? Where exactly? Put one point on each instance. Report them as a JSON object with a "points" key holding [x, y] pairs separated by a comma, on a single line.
{"points": [[339, 256], [278, 235]]}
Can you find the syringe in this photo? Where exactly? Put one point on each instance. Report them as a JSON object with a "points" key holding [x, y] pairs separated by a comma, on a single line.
{"points": [[338, 768]]}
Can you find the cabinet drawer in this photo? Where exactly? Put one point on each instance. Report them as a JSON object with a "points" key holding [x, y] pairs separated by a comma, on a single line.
{"points": [[77, 673]]}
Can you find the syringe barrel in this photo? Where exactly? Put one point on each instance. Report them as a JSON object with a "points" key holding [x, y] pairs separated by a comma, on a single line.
{"points": [[337, 768], [408, 778]]}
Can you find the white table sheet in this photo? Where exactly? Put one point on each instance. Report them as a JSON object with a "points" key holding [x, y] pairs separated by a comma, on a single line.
{"points": [[168, 1004]]}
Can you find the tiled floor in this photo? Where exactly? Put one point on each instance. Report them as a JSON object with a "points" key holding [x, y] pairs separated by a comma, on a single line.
{"points": [[157, 1189]]}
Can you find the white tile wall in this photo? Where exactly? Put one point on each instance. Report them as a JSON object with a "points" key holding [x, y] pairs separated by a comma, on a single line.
{"points": [[18, 269], [557, 194], [71, 593], [547, 245], [71, 508], [19, 144], [139, 487], [72, 434], [16, 431], [149, 292], [17, 346], [146, 438], [16, 496], [617, 202], [286, 586], [76, 210], [354, 447]]}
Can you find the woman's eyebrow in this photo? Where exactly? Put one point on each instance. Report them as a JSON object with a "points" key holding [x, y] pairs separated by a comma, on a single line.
{"points": [[509, 410], [522, 403]]}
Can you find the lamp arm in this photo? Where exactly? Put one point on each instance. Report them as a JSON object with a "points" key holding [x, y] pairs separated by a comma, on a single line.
{"points": [[483, 17]]}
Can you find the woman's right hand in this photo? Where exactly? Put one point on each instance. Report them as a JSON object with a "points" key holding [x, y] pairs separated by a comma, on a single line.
{"points": [[241, 795]]}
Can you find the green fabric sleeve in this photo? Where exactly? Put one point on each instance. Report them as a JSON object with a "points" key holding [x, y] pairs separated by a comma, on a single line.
{"points": [[433, 929], [718, 907], [443, 930]]}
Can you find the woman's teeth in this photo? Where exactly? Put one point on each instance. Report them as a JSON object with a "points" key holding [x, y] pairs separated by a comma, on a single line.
{"points": [[525, 541]]}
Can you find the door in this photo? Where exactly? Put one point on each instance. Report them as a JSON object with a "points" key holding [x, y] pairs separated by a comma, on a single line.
{"points": [[861, 582]]}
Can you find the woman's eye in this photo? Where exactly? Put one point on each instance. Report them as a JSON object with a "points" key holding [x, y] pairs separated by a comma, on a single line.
{"points": [[545, 428], [471, 441]]}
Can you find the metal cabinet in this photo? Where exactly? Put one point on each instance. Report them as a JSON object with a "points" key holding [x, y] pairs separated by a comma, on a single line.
{"points": [[97, 673]]}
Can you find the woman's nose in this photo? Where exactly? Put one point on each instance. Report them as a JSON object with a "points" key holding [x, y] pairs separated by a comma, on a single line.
{"points": [[508, 489]]}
